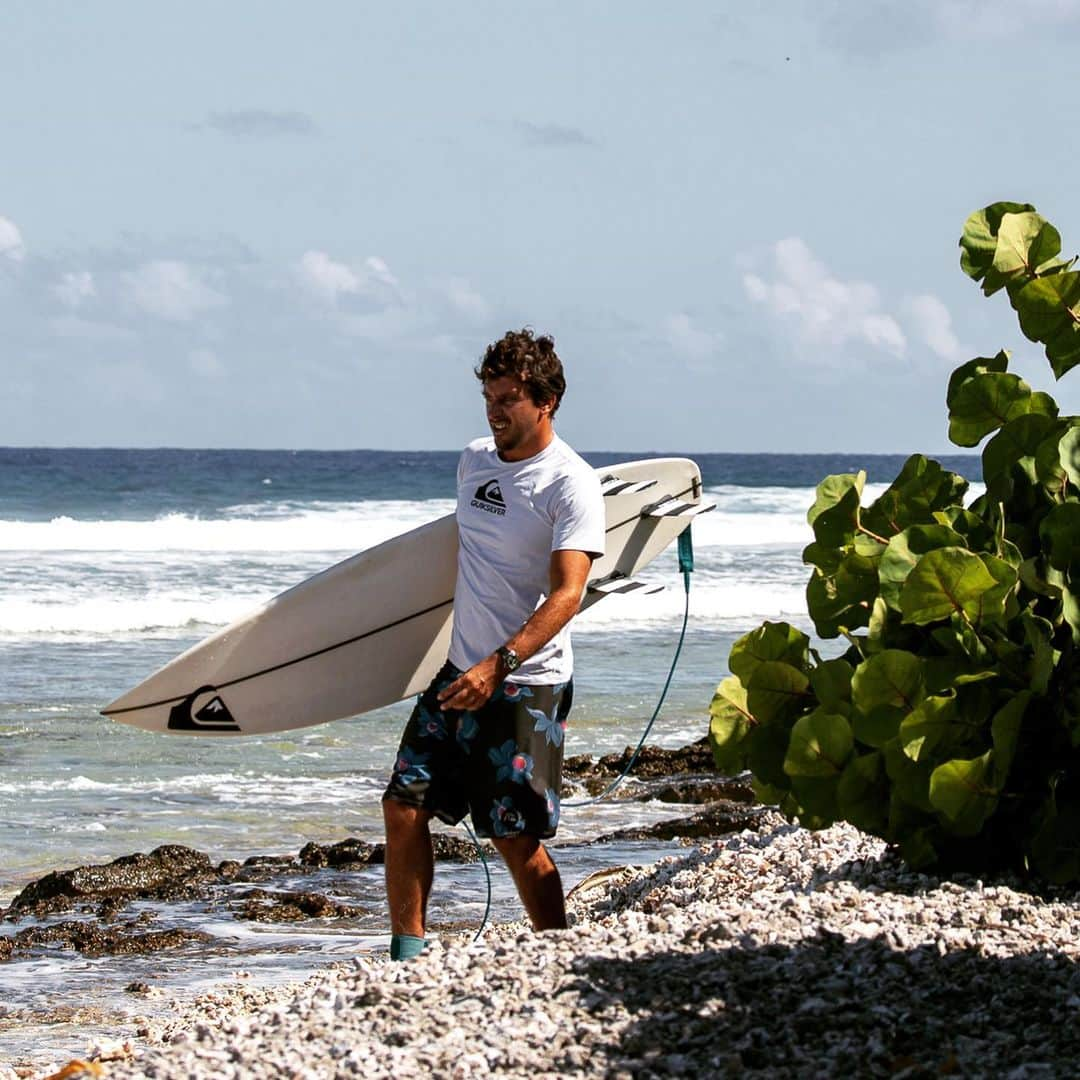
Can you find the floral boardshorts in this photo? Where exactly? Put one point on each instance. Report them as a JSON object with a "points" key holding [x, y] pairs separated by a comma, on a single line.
{"points": [[502, 764]]}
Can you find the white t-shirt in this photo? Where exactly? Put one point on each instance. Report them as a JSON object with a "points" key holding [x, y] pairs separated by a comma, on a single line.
{"points": [[511, 516]]}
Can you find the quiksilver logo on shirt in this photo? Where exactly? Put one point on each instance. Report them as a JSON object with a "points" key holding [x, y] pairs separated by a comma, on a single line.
{"points": [[489, 497]]}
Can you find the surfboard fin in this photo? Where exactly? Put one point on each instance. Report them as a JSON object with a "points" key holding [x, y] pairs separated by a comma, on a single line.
{"points": [[613, 485], [669, 506], [620, 583]]}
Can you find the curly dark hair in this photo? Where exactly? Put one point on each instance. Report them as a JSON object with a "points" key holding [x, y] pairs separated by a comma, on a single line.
{"points": [[530, 359]]}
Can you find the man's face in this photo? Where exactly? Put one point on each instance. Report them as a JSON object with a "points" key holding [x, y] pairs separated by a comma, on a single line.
{"points": [[519, 425]]}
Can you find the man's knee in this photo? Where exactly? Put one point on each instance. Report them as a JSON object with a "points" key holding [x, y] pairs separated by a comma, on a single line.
{"points": [[516, 850], [401, 819]]}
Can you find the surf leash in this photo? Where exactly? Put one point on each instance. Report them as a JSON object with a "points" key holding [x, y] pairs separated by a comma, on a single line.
{"points": [[487, 874], [686, 567]]}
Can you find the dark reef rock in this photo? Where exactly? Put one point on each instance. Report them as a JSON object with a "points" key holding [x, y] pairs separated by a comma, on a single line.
{"points": [[346, 853], [259, 905], [695, 789], [91, 939], [653, 762], [448, 848], [717, 819], [168, 872]]}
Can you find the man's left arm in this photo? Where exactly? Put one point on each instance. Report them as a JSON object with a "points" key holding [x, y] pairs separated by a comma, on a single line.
{"points": [[569, 571]]}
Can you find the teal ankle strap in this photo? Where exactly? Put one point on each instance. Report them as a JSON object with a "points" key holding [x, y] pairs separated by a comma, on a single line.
{"points": [[405, 946]]}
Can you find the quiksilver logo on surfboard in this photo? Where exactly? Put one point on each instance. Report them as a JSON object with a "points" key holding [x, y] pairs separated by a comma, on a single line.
{"points": [[489, 497], [202, 711]]}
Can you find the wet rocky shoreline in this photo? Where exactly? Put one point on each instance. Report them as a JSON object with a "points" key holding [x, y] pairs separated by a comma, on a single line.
{"points": [[100, 896]]}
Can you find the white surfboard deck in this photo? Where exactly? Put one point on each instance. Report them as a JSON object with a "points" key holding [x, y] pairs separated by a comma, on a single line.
{"points": [[375, 628]]}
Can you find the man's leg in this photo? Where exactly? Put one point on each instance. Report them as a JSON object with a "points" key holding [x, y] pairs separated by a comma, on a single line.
{"points": [[410, 866], [537, 880]]}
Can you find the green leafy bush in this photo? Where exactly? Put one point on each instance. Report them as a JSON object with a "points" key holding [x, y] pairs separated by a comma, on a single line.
{"points": [[951, 725]]}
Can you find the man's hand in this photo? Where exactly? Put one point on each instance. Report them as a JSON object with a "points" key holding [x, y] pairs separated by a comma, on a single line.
{"points": [[569, 572], [473, 688]]}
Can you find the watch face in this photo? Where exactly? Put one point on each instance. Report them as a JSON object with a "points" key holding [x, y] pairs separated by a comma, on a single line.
{"points": [[510, 658]]}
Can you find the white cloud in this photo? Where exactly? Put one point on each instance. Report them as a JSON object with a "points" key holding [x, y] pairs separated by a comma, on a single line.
{"points": [[932, 324], [686, 338], [171, 290], [824, 310], [466, 300], [325, 277], [378, 271], [331, 280], [75, 287], [11, 241], [205, 362]]}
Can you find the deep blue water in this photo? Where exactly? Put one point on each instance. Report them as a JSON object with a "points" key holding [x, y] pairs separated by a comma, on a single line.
{"points": [[141, 484]]}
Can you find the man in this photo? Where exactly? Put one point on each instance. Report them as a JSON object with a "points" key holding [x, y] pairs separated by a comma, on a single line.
{"points": [[486, 737]]}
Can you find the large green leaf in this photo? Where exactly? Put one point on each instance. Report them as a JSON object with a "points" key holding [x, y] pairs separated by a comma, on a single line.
{"points": [[821, 743], [842, 601], [1063, 351], [825, 558], [928, 726], [1043, 657], [817, 800], [730, 722], [893, 677], [877, 727], [776, 691], [1069, 453], [981, 365], [831, 683], [766, 749], [964, 793], [1049, 312], [835, 513], [1060, 535], [980, 238], [770, 641], [862, 793], [998, 603], [946, 581], [1005, 732], [960, 641], [1070, 612], [1025, 242], [904, 551], [986, 402], [1041, 579], [921, 488], [910, 779], [1016, 443], [977, 534]]}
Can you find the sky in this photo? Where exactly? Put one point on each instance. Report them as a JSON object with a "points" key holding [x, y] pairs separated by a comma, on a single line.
{"points": [[265, 224]]}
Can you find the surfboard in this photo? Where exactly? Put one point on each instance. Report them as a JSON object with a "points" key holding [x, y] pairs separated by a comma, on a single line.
{"points": [[375, 628]]}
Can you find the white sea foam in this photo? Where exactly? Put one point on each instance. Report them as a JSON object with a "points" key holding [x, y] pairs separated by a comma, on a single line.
{"points": [[108, 615], [182, 576], [743, 517], [348, 527], [242, 789]]}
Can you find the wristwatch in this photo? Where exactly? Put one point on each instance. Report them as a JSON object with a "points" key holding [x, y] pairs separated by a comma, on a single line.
{"points": [[508, 657]]}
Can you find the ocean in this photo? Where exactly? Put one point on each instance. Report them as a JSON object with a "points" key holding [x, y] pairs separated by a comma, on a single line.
{"points": [[114, 561]]}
